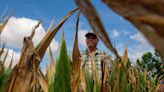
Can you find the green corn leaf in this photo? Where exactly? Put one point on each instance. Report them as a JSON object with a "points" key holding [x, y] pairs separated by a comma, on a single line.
{"points": [[4, 79], [63, 74]]}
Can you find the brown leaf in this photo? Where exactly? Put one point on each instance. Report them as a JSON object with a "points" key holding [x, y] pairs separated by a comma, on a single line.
{"points": [[45, 42], [2, 49], [105, 85], [93, 18], [4, 24], [146, 15], [117, 81], [35, 27], [25, 70], [125, 56], [43, 82], [83, 80], [10, 65], [51, 70], [95, 74], [5, 57], [76, 61]]}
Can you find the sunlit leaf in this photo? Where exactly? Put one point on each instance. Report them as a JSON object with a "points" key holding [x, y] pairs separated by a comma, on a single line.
{"points": [[76, 61]]}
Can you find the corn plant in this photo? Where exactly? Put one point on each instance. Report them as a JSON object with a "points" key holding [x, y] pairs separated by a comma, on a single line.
{"points": [[71, 75]]}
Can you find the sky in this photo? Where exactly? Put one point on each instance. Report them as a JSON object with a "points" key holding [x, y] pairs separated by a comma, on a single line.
{"points": [[28, 12]]}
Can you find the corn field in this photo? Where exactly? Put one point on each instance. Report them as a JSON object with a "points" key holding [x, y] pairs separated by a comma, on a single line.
{"points": [[68, 74]]}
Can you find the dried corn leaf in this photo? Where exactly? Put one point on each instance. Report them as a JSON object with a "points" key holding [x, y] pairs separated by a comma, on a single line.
{"points": [[117, 81], [93, 18], [95, 75], [146, 15], [45, 42], [10, 65], [4, 24], [83, 81], [125, 56], [51, 70], [5, 57], [51, 24], [43, 82], [2, 50], [105, 85], [25, 70], [35, 27], [76, 61]]}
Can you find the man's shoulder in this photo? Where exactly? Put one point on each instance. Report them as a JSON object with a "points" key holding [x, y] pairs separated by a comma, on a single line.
{"points": [[84, 54], [100, 52], [103, 54]]}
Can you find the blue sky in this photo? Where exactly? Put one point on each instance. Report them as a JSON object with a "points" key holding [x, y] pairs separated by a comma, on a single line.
{"points": [[119, 30]]}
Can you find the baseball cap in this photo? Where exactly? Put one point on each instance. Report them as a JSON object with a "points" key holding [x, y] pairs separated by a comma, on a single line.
{"points": [[91, 34]]}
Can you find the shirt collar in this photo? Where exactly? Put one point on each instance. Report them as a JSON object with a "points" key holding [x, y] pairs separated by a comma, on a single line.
{"points": [[97, 51]]}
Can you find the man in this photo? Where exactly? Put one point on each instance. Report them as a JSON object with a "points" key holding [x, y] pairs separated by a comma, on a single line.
{"points": [[93, 53]]}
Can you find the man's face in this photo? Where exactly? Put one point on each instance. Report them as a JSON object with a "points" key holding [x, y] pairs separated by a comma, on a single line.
{"points": [[91, 41]]}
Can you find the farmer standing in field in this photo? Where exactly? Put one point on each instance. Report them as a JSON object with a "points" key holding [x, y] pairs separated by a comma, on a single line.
{"points": [[92, 52]]}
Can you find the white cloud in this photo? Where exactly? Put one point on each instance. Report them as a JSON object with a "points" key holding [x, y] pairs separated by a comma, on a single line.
{"points": [[141, 48], [125, 32], [17, 28], [16, 56], [81, 37], [115, 33], [119, 46], [138, 53], [143, 41]]}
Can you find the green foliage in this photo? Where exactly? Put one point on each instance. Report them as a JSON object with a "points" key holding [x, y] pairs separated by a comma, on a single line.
{"points": [[124, 84], [4, 73], [152, 62], [90, 82], [4, 76], [62, 76]]}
